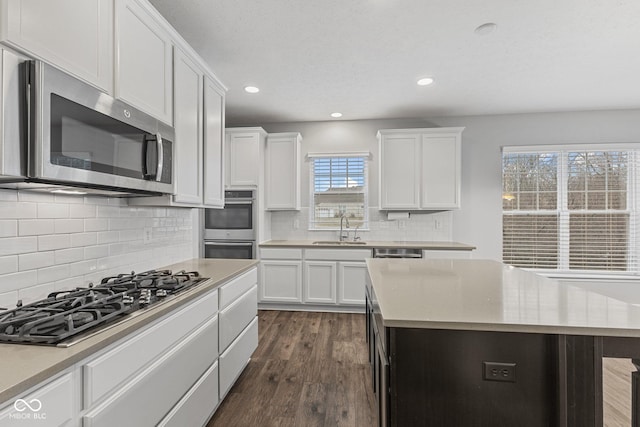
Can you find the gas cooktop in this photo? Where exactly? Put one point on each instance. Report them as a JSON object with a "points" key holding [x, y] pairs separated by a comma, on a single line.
{"points": [[66, 314]]}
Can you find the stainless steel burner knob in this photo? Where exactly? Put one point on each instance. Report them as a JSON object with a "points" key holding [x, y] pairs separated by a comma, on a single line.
{"points": [[161, 293], [127, 299]]}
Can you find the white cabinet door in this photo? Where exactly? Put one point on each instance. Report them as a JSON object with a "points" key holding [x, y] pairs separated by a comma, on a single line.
{"points": [[282, 171], [441, 171], [400, 171], [143, 60], [320, 281], [244, 159], [53, 404], [188, 127], [281, 281], [351, 282], [214, 96], [76, 36]]}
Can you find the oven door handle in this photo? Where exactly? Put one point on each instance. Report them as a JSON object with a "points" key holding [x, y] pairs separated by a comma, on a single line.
{"points": [[228, 243], [238, 202]]}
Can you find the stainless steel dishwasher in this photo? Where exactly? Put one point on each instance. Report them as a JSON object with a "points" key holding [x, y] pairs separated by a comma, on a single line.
{"points": [[397, 253]]}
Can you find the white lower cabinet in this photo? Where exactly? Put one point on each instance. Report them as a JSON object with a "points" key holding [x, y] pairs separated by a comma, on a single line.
{"points": [[197, 406], [52, 404], [151, 394], [320, 281], [281, 275], [236, 356], [351, 278], [323, 277], [173, 372]]}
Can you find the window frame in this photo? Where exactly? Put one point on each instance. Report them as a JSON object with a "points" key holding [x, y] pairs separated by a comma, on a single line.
{"points": [[563, 212], [311, 157]]}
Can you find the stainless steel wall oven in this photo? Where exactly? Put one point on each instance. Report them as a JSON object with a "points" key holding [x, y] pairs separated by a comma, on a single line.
{"points": [[230, 232]]}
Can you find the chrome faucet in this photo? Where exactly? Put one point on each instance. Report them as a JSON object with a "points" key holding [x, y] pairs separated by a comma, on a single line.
{"points": [[344, 237], [355, 234]]}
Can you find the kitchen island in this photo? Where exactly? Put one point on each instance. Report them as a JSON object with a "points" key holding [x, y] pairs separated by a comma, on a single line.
{"points": [[475, 342]]}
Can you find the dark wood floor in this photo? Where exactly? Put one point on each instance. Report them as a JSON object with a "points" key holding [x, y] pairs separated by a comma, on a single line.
{"points": [[310, 369]]}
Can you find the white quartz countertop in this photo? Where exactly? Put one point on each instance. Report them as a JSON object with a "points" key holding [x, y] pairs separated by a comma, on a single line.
{"points": [[490, 296], [443, 246], [24, 366]]}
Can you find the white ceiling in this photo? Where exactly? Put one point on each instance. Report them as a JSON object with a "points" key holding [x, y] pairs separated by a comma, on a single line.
{"points": [[363, 57]]}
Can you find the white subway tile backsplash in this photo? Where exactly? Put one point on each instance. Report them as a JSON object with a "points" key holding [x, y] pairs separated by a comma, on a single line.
{"points": [[108, 212], [34, 293], [84, 239], [82, 211], [96, 224], [35, 227], [8, 228], [8, 264], [53, 242], [18, 245], [19, 280], [94, 252], [35, 196], [82, 268], [108, 237], [18, 210], [68, 226], [51, 274], [35, 260], [8, 195], [66, 256], [53, 210]]}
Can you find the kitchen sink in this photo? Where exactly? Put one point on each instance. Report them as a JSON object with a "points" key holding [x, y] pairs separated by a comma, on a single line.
{"points": [[338, 243]]}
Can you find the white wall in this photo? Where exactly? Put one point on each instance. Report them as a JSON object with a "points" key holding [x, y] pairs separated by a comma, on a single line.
{"points": [[53, 242], [478, 222]]}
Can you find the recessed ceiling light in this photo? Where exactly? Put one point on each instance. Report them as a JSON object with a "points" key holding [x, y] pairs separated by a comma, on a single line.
{"points": [[425, 81], [251, 89], [485, 29], [336, 115]]}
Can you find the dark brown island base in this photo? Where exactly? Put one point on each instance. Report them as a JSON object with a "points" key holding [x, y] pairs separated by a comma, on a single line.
{"points": [[477, 343]]}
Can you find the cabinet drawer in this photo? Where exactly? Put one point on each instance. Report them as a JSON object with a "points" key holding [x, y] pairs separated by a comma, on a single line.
{"points": [[337, 254], [233, 361], [150, 395], [281, 253], [51, 405], [120, 364], [237, 316], [195, 408], [236, 287]]}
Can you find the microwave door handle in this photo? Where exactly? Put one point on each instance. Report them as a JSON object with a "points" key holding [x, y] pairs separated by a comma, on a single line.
{"points": [[160, 156], [145, 158]]}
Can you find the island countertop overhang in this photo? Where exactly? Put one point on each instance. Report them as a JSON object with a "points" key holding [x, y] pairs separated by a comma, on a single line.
{"points": [[485, 295]]}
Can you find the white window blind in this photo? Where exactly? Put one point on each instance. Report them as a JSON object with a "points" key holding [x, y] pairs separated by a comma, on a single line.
{"points": [[338, 188], [571, 209]]}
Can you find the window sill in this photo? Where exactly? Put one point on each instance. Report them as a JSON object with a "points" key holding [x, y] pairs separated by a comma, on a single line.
{"points": [[621, 277]]}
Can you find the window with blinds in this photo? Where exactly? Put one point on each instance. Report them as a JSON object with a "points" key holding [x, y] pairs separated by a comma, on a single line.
{"points": [[571, 209], [338, 188]]}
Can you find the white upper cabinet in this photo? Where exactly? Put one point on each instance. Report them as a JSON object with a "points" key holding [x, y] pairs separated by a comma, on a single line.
{"points": [[188, 81], [400, 171], [214, 95], [282, 171], [420, 168], [76, 36], [143, 60], [244, 146]]}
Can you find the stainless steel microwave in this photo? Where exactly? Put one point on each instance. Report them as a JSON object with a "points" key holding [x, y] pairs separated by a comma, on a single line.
{"points": [[78, 136]]}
